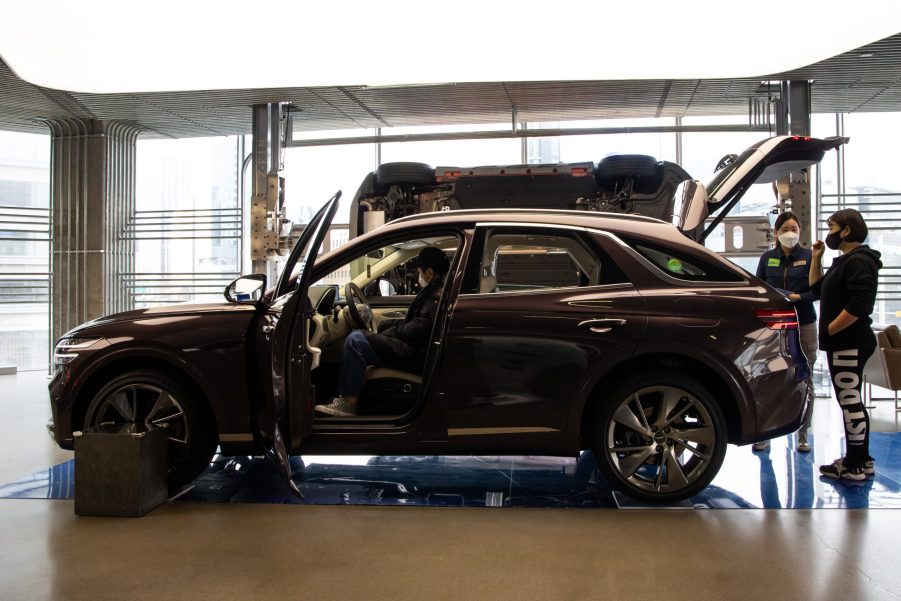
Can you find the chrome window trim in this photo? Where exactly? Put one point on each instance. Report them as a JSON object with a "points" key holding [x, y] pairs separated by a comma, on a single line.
{"points": [[658, 272]]}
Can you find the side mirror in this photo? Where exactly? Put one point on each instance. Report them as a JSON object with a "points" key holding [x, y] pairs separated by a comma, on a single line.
{"points": [[379, 287], [247, 289]]}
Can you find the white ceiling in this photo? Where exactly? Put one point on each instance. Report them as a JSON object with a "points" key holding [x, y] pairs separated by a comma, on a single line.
{"points": [[106, 46], [864, 79]]}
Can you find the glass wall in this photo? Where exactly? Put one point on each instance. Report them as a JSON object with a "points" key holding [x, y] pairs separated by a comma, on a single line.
{"points": [[459, 153], [702, 151], [575, 149], [187, 226], [868, 180], [24, 250], [313, 174]]}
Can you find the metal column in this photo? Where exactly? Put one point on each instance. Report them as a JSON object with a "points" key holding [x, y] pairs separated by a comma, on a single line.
{"points": [[268, 236], [793, 117], [92, 202]]}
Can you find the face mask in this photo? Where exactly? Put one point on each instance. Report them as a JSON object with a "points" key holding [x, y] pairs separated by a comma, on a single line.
{"points": [[834, 240], [422, 282], [789, 239]]}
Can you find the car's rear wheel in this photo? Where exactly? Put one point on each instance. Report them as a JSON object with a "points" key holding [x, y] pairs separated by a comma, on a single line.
{"points": [[660, 437], [644, 171], [391, 174], [154, 398]]}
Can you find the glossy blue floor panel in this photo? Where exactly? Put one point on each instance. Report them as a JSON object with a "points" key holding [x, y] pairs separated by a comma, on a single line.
{"points": [[777, 478]]}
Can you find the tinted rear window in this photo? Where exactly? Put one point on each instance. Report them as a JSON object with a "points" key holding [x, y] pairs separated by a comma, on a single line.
{"points": [[681, 265]]}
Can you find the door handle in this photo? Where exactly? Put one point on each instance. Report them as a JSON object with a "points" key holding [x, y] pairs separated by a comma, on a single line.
{"points": [[602, 326]]}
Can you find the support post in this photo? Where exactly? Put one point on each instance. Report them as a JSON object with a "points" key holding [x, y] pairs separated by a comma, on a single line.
{"points": [[92, 207], [267, 213], [793, 117]]}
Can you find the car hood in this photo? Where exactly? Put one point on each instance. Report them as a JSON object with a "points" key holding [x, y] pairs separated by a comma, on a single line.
{"points": [[157, 313]]}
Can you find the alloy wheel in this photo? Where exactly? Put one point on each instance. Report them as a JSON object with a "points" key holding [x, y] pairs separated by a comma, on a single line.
{"points": [[661, 439], [140, 403]]}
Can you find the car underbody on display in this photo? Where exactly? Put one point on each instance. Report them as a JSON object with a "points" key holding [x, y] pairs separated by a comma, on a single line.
{"points": [[581, 312]]}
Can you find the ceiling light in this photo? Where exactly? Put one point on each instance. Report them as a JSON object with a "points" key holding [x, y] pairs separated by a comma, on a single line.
{"points": [[169, 45]]}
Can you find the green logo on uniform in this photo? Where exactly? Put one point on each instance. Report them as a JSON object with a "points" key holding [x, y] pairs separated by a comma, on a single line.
{"points": [[773, 262]]}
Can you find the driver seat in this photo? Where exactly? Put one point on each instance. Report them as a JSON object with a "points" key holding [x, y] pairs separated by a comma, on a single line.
{"points": [[388, 391]]}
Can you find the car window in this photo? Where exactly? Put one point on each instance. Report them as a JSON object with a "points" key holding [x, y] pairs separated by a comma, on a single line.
{"points": [[680, 265], [519, 260], [388, 270]]}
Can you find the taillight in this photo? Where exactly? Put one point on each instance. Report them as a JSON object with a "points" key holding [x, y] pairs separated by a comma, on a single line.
{"points": [[778, 319]]}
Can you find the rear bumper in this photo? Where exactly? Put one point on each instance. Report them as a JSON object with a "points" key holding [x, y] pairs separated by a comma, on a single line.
{"points": [[780, 391]]}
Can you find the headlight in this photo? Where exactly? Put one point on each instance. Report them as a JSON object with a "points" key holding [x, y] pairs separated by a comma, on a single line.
{"points": [[67, 348]]}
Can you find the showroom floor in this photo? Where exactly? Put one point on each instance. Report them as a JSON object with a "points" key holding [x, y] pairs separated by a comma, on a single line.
{"points": [[226, 550]]}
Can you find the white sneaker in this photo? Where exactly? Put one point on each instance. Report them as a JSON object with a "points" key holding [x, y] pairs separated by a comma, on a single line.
{"points": [[338, 407], [763, 445]]}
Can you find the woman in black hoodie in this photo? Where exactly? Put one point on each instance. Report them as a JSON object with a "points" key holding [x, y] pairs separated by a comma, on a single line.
{"points": [[847, 294]]}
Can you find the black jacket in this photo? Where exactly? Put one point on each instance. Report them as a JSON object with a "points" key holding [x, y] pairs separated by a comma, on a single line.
{"points": [[403, 344], [789, 273], [850, 284]]}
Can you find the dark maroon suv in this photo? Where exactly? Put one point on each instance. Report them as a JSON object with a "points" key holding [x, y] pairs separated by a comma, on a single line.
{"points": [[558, 331]]}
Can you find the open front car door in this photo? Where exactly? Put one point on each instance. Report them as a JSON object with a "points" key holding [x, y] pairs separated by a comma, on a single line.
{"points": [[283, 413]]}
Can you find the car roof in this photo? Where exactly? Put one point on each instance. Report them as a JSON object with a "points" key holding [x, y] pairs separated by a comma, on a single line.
{"points": [[480, 214], [617, 222]]}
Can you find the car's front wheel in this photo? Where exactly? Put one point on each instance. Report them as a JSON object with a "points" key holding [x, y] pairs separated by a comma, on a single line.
{"points": [[154, 398], [659, 437]]}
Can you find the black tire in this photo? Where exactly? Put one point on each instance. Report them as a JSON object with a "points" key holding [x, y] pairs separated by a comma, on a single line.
{"points": [[644, 171], [416, 174], [656, 459], [154, 397]]}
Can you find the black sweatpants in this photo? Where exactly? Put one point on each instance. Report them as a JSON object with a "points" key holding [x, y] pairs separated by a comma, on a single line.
{"points": [[846, 371]]}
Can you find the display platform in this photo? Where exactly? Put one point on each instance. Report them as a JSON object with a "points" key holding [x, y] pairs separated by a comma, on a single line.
{"points": [[777, 478]]}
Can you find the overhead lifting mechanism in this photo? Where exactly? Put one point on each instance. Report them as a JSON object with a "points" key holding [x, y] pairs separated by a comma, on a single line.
{"points": [[270, 229]]}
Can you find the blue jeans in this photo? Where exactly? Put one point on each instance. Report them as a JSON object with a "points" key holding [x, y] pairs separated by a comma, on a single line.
{"points": [[358, 353]]}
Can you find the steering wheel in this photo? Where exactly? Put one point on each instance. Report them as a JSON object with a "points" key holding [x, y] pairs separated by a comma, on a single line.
{"points": [[352, 291]]}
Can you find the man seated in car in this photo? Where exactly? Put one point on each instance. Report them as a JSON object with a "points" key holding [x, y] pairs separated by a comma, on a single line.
{"points": [[401, 344]]}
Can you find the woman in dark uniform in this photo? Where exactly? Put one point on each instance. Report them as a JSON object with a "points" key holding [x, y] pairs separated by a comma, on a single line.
{"points": [[847, 295], [787, 268]]}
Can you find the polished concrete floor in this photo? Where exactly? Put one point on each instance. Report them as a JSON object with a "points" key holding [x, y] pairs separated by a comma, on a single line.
{"points": [[226, 551]]}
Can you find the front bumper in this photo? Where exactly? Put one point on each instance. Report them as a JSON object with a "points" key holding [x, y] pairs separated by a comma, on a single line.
{"points": [[60, 418]]}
